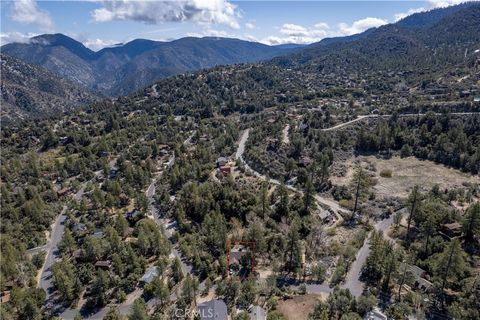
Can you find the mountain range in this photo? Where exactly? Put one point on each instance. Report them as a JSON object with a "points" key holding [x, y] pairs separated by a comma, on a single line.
{"points": [[424, 41], [423, 45], [124, 68]]}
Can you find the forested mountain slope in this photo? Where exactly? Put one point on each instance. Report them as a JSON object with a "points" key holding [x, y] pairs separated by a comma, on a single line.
{"points": [[423, 42], [29, 90]]}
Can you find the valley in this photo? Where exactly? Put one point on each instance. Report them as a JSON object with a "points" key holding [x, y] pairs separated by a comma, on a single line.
{"points": [[337, 180]]}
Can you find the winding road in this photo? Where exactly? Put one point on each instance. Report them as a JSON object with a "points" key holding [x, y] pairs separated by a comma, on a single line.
{"points": [[167, 226], [330, 203], [359, 118], [352, 280]]}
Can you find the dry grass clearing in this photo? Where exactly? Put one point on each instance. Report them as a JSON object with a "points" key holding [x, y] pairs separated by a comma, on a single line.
{"points": [[405, 173], [298, 307]]}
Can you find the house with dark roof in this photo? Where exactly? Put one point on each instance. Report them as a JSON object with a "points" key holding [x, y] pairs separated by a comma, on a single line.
{"points": [[213, 309], [452, 230], [79, 228], [103, 264], [134, 215], [222, 161]]}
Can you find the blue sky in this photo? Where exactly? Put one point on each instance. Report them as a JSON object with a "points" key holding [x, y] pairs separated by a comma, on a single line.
{"points": [[104, 23]]}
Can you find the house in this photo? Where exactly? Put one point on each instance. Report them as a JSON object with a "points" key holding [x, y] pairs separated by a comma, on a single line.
{"points": [[213, 309], [124, 199], [163, 149], [305, 161], [222, 161], [375, 314], [163, 146], [235, 258], [113, 173], [170, 162], [64, 191], [149, 275], [77, 254], [103, 264], [258, 313], [79, 227], [98, 233], [325, 215], [134, 215], [419, 276], [5, 297], [272, 144], [226, 170]]}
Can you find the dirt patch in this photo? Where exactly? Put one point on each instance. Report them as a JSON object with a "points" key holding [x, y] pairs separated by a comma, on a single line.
{"points": [[299, 307], [406, 172]]}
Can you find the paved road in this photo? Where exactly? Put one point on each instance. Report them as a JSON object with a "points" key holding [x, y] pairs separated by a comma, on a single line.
{"points": [[341, 125], [332, 204], [352, 280], [46, 281], [52, 252], [168, 226], [285, 138], [189, 138], [359, 118]]}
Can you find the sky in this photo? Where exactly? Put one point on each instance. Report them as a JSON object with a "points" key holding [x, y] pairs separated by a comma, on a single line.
{"points": [[99, 24]]}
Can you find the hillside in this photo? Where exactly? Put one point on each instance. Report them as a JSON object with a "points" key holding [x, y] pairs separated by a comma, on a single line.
{"points": [[126, 68], [431, 66], [29, 90], [424, 42]]}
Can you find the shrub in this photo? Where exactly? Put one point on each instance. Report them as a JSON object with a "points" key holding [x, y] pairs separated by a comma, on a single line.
{"points": [[346, 203], [386, 173], [331, 232]]}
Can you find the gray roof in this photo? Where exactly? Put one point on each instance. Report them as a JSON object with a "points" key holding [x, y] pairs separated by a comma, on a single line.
{"points": [[258, 313], [375, 314], [213, 309], [149, 275]]}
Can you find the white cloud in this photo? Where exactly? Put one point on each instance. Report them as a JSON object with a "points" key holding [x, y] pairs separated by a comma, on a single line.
{"points": [[155, 12], [97, 44], [400, 16], [209, 32], [294, 33], [322, 25], [249, 25], [250, 37], [18, 37], [431, 4], [444, 3], [27, 11], [360, 25]]}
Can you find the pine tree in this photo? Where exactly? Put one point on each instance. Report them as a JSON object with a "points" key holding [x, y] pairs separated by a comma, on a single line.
{"points": [[471, 222], [413, 199], [139, 310], [360, 184]]}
